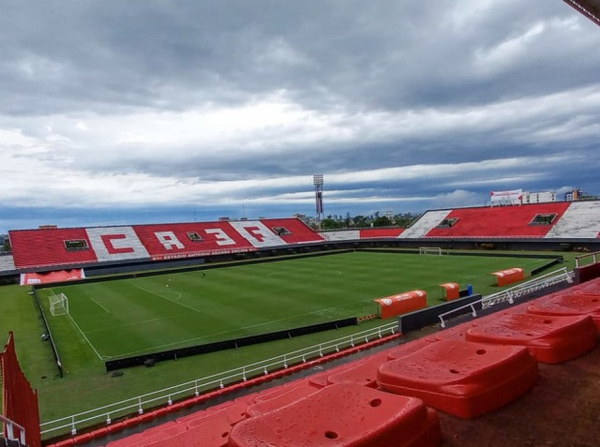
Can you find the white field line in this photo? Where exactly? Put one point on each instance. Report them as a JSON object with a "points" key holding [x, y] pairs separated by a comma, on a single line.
{"points": [[82, 333], [101, 306], [168, 299], [85, 338]]}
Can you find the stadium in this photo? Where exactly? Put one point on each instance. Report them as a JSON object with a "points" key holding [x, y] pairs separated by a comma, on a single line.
{"points": [[469, 325], [162, 322]]}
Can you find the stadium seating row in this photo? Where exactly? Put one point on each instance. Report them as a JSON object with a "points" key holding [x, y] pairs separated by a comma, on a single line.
{"points": [[544, 220], [392, 397], [80, 246], [74, 247]]}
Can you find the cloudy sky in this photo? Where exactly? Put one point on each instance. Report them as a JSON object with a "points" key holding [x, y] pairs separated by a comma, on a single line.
{"points": [[139, 111]]}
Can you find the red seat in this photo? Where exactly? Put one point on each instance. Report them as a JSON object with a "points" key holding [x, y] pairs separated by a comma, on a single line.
{"points": [[567, 304], [363, 372], [461, 378], [280, 397], [550, 339], [342, 415]]}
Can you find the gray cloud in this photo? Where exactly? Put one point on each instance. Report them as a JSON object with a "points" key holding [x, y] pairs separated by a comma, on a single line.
{"points": [[161, 104]]}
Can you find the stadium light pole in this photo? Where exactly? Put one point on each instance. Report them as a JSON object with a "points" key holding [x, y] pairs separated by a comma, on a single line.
{"points": [[318, 182]]}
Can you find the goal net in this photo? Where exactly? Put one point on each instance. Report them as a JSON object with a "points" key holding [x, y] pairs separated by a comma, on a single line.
{"points": [[430, 250], [59, 304]]}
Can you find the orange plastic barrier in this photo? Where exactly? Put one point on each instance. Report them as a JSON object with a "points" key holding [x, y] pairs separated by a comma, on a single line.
{"points": [[509, 276], [550, 339], [566, 303], [450, 290], [395, 305], [343, 414], [461, 378]]}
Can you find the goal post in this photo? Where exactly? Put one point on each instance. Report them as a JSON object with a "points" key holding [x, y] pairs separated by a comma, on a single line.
{"points": [[430, 250], [59, 304]]}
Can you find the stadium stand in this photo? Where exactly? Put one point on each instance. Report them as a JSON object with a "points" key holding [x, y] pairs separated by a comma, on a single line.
{"points": [[425, 224], [171, 241], [580, 220], [42, 248], [7, 263], [78, 247], [292, 231], [257, 234], [347, 235], [116, 244], [371, 233], [498, 222], [365, 233]]}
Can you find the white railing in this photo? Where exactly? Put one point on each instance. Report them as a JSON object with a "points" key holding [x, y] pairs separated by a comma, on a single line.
{"points": [[509, 295], [167, 396], [10, 430], [594, 257]]}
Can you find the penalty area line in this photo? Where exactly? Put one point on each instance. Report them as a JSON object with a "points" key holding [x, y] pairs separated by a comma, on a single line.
{"points": [[85, 338], [101, 306]]}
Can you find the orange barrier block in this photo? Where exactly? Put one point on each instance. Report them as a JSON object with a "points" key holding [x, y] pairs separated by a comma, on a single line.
{"points": [[509, 276], [395, 305], [550, 339], [340, 415], [565, 303], [462, 378], [450, 290]]}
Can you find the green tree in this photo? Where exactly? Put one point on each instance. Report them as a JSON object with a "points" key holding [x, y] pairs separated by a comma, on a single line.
{"points": [[329, 224], [382, 221]]}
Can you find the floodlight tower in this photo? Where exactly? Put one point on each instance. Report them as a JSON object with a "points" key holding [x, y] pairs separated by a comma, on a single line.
{"points": [[318, 182]]}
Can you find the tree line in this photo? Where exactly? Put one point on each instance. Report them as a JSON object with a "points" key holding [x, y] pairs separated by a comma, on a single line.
{"points": [[335, 222]]}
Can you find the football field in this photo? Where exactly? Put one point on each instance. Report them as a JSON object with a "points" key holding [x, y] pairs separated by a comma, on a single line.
{"points": [[127, 317]]}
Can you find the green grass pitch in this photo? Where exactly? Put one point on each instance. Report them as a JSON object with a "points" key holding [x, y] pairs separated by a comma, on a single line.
{"points": [[148, 314]]}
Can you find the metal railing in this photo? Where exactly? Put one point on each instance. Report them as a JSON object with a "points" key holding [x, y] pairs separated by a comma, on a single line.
{"points": [[509, 295], [140, 404], [594, 256], [10, 430]]}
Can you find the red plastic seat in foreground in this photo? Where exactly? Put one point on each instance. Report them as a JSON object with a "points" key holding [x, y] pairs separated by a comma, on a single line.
{"points": [[550, 339], [286, 395], [340, 415], [462, 378], [565, 303]]}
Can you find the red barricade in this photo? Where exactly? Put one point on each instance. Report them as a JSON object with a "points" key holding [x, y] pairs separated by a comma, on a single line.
{"points": [[509, 276], [395, 305]]}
